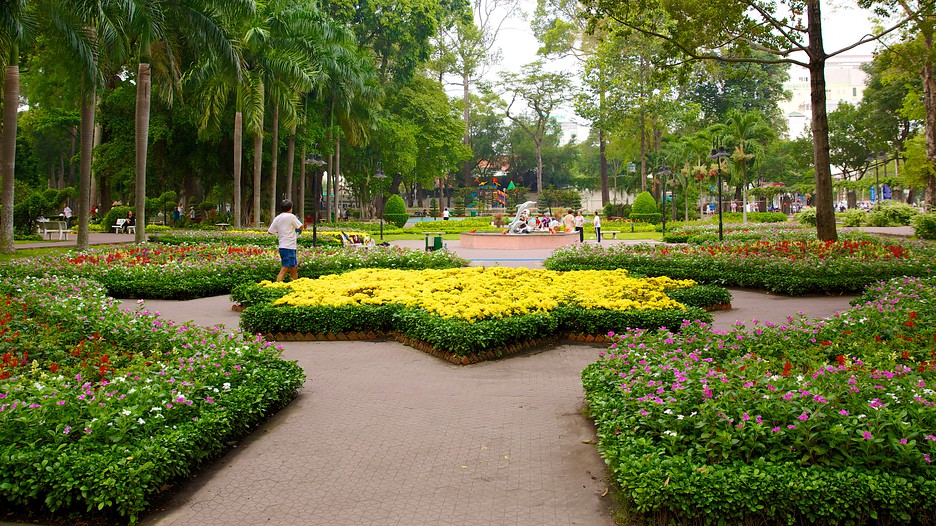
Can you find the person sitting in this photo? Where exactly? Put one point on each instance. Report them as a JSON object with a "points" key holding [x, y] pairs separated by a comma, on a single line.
{"points": [[130, 222]]}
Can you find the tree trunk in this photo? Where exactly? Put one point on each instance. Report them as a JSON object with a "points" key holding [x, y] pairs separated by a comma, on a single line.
{"points": [[290, 163], [238, 157], [95, 190], [539, 165], [603, 162], [8, 150], [302, 185], [257, 165], [643, 151], [743, 188], [143, 93], [929, 102], [71, 163], [84, 170], [334, 177], [466, 139], [274, 161], [825, 214]]}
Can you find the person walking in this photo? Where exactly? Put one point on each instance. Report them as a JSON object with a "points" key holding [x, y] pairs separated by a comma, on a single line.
{"points": [[67, 214], [445, 214], [580, 225], [597, 222], [287, 227]]}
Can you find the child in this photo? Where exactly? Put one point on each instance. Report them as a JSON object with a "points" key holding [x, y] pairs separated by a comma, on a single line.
{"points": [[287, 227]]}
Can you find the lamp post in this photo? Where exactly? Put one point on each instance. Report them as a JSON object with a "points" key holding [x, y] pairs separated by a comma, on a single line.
{"points": [[316, 159], [380, 176], [718, 155], [663, 172]]}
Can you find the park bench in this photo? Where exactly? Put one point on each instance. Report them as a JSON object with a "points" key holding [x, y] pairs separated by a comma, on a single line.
{"points": [[120, 226], [47, 228], [612, 233]]}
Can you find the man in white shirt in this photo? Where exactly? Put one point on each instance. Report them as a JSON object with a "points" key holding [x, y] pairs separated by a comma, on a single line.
{"points": [[67, 213], [287, 228], [445, 214]]}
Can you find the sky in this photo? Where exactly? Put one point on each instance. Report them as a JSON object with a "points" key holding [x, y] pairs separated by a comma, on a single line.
{"points": [[843, 24]]}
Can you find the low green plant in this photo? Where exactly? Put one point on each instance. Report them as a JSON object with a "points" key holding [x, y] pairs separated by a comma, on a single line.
{"points": [[853, 218], [645, 209], [806, 216], [924, 225], [891, 213], [395, 211]]}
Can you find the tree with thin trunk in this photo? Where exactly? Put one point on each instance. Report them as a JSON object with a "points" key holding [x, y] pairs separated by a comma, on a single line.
{"points": [[789, 31], [739, 130], [542, 93]]}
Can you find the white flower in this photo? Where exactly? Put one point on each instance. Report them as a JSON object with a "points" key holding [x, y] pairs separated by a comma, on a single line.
{"points": [[226, 386], [126, 412], [679, 417], [140, 420]]}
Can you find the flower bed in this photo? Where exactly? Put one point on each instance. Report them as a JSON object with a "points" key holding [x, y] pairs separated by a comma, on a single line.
{"points": [[100, 407], [325, 238], [185, 272], [788, 267], [470, 311], [826, 421], [736, 232]]}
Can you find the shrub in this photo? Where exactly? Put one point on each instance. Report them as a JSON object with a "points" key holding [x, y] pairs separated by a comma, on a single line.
{"points": [[459, 206], [853, 217], [115, 213], [925, 225], [645, 209], [395, 211], [434, 207], [807, 216], [101, 416], [617, 210], [891, 213]]}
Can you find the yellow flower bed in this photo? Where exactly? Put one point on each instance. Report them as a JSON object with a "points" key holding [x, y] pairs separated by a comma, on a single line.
{"points": [[476, 293]]}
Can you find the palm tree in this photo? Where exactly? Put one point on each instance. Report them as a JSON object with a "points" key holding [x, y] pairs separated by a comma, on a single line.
{"points": [[15, 21], [740, 129], [159, 23]]}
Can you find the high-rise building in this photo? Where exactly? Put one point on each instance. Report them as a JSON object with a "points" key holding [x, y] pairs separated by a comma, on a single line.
{"points": [[845, 82]]}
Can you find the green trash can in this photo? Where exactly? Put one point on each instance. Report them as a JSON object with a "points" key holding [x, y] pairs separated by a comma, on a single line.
{"points": [[474, 213], [437, 243]]}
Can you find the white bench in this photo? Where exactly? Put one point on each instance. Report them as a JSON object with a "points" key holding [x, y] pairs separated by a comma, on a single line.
{"points": [[120, 226], [612, 233], [47, 228]]}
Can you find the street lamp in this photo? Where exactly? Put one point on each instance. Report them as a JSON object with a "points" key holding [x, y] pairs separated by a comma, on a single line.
{"points": [[664, 171], [718, 155], [316, 159], [380, 175]]}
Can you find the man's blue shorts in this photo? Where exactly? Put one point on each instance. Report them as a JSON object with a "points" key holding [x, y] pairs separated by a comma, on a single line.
{"points": [[288, 255]]}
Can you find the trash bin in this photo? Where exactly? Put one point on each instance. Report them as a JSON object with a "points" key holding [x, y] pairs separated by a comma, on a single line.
{"points": [[474, 213], [433, 242]]}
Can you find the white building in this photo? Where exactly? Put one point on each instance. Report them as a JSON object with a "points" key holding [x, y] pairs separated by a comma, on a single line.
{"points": [[845, 82]]}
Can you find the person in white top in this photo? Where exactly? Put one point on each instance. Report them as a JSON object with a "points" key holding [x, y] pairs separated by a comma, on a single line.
{"points": [[580, 225], [287, 227], [597, 222], [67, 214], [445, 214]]}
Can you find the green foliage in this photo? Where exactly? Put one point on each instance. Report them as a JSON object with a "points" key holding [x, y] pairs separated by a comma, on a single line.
{"points": [[457, 336], [775, 424], [115, 213], [891, 213], [434, 207], [47, 203], [145, 428], [563, 197], [617, 210], [395, 211], [459, 206], [854, 217], [791, 267], [807, 216], [644, 204], [924, 225]]}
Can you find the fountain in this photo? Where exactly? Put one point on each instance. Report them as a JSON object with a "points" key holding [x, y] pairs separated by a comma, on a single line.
{"points": [[519, 235]]}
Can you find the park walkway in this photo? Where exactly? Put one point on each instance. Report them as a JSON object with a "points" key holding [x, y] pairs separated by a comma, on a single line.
{"points": [[383, 434]]}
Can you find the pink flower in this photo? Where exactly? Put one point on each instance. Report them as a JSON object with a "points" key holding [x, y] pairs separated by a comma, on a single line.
{"points": [[775, 430], [843, 412], [903, 440], [866, 435], [803, 417]]}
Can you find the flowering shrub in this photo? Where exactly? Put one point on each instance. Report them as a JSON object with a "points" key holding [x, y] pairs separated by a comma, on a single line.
{"points": [[195, 271], [324, 238], [735, 232], [788, 267], [824, 421], [467, 310], [101, 407]]}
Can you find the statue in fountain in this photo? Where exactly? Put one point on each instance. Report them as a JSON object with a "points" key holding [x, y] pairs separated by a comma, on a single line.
{"points": [[521, 223]]}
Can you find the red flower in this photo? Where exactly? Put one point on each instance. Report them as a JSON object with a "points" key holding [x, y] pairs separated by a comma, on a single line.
{"points": [[840, 359], [826, 343], [905, 355], [908, 323], [54, 367], [877, 338], [913, 315], [786, 369]]}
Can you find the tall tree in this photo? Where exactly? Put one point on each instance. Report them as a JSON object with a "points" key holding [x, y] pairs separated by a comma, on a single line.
{"points": [[14, 23], [728, 32], [158, 27], [542, 93], [742, 129]]}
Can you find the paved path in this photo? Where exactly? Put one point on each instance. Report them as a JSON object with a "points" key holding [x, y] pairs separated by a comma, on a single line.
{"points": [[383, 434]]}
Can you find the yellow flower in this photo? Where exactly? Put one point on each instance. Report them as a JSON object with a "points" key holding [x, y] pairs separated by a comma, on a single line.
{"points": [[477, 293]]}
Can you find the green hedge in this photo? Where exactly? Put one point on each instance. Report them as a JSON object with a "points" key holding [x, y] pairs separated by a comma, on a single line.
{"points": [[460, 337]]}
